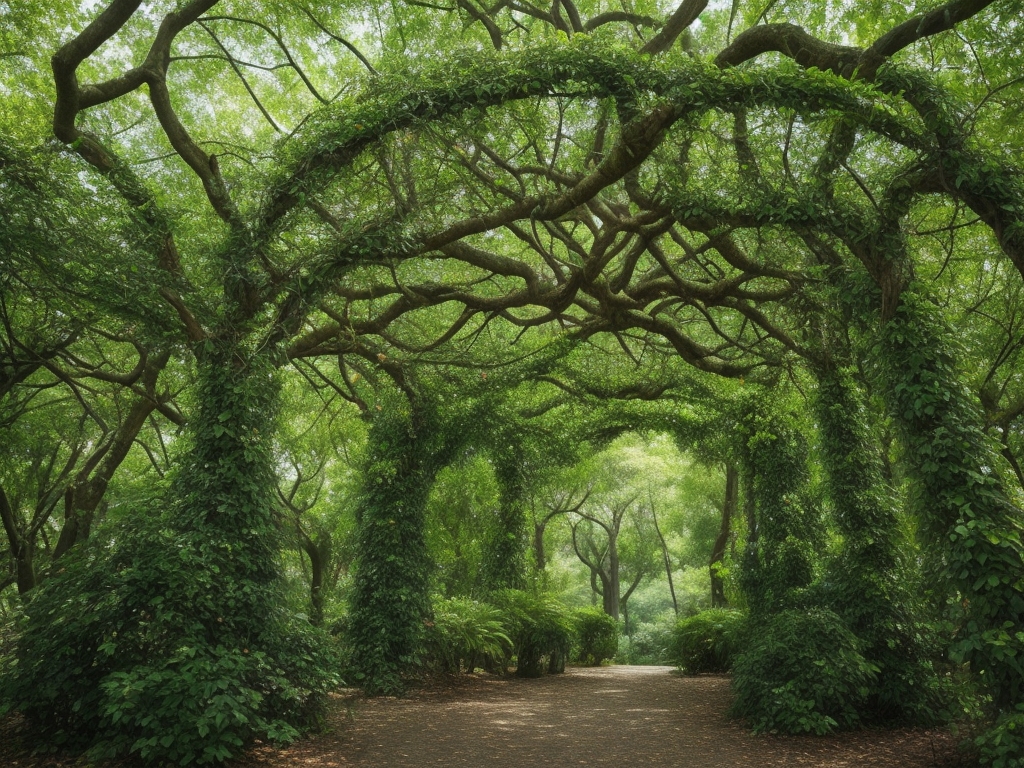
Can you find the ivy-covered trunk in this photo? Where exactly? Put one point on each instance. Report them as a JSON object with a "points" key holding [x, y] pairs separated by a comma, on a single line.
{"points": [[225, 489], [169, 638], [965, 512], [391, 601], [730, 505], [778, 560], [504, 558], [801, 670], [869, 582]]}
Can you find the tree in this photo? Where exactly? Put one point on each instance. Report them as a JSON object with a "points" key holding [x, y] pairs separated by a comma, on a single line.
{"points": [[632, 176]]}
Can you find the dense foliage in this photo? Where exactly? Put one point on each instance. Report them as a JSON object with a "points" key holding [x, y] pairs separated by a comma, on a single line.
{"points": [[597, 637], [171, 639], [466, 634], [708, 641], [584, 317], [801, 672]]}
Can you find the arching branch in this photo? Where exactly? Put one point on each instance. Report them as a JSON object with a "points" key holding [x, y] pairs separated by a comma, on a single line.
{"points": [[677, 23]]}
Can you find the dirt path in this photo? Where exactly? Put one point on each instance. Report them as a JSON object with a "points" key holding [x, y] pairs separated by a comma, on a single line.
{"points": [[610, 716]]}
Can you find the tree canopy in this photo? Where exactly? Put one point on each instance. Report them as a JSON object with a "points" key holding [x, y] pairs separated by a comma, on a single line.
{"points": [[247, 245]]}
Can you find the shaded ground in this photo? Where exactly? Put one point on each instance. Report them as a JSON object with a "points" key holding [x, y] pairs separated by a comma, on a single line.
{"points": [[609, 716]]}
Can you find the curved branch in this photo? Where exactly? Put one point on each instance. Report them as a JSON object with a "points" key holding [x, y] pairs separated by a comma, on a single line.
{"points": [[845, 61], [339, 39], [794, 42], [612, 17], [941, 19], [684, 16], [492, 29]]}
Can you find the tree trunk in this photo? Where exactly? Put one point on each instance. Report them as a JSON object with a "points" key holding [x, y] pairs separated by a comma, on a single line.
{"points": [[538, 546], [668, 561], [609, 595], [391, 598], [319, 553], [504, 557], [21, 550], [729, 507], [969, 516], [611, 598]]}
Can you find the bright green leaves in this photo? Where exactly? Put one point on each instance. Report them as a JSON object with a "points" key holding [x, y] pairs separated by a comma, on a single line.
{"points": [[870, 580], [779, 559], [390, 602], [709, 641]]}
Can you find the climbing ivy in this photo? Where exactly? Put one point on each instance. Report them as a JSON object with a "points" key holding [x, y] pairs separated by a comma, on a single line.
{"points": [[964, 509], [173, 643], [504, 556], [390, 602], [779, 563], [868, 582]]}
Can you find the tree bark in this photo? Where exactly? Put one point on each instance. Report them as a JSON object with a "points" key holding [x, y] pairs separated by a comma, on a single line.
{"points": [[21, 550], [319, 553], [668, 561], [729, 508], [612, 591], [539, 558]]}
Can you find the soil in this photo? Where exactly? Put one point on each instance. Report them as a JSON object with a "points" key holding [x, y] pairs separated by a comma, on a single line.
{"points": [[606, 716]]}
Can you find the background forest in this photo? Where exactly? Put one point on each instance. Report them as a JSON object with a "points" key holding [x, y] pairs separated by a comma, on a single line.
{"points": [[348, 342]]}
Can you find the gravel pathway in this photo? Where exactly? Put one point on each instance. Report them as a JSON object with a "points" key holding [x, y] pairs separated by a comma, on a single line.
{"points": [[607, 716]]}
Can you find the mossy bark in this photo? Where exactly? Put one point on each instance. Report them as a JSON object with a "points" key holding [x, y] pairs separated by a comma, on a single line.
{"points": [[504, 559], [868, 583], [965, 511]]}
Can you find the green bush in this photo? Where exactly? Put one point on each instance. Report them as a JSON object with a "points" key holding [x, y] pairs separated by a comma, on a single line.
{"points": [[541, 630], [464, 634], [707, 642], [913, 686], [801, 672], [122, 652], [597, 636], [649, 642], [1002, 745]]}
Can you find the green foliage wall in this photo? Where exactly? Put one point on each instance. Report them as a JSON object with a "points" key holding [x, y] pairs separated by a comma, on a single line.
{"points": [[172, 642], [964, 508], [868, 582], [801, 671], [390, 600]]}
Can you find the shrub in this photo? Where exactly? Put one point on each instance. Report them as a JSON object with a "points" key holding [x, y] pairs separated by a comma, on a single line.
{"points": [[1002, 745], [466, 632], [649, 643], [913, 685], [801, 672], [541, 630], [121, 653], [597, 636], [707, 642]]}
